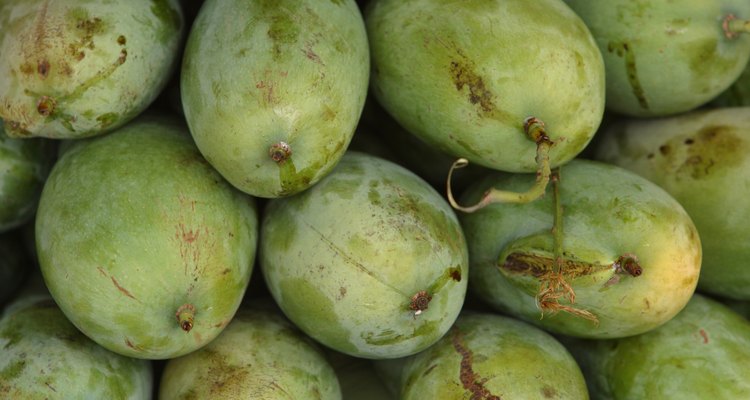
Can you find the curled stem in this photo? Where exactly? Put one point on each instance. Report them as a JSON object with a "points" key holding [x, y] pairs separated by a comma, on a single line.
{"points": [[733, 26], [534, 129]]}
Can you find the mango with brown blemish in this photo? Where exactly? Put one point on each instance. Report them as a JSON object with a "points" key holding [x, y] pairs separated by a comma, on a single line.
{"points": [[77, 68], [465, 75], [667, 57], [273, 90], [605, 253], [702, 159], [144, 246], [489, 357]]}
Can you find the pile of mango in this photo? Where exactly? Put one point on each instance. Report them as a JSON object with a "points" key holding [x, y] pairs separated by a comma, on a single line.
{"points": [[378, 199]]}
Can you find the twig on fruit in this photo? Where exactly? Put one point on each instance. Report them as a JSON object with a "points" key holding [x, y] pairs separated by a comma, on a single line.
{"points": [[534, 129]]}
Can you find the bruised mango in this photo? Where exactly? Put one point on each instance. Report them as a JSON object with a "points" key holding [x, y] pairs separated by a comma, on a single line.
{"points": [[491, 357], [371, 261], [80, 68], [272, 90], [43, 356], [464, 76], [144, 246], [605, 253], [260, 355], [702, 159], [667, 57]]}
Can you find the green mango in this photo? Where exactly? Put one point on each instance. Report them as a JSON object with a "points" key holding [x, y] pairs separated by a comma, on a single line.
{"points": [[272, 89], [702, 159], [43, 356], [260, 355], [464, 76], [629, 252], [702, 353], [492, 357], [24, 165], [667, 57], [371, 261], [80, 68], [144, 246]]}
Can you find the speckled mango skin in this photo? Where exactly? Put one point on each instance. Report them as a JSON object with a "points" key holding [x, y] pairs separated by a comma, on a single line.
{"points": [[43, 356], [135, 224], [24, 165], [344, 259], [665, 57], [493, 357], [607, 212], [80, 68], [464, 76], [700, 158], [703, 353], [260, 355], [263, 72]]}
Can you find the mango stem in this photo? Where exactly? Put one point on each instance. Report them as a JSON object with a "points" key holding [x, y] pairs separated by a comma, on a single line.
{"points": [[534, 129], [186, 317], [733, 26]]}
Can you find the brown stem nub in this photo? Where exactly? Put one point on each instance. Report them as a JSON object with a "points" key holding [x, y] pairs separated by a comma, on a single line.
{"points": [[46, 105], [534, 129], [280, 152], [186, 316], [419, 302], [733, 26]]}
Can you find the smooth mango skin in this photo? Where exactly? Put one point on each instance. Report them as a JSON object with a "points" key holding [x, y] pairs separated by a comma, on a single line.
{"points": [[135, 224], [259, 73], [24, 166], [607, 212], [464, 75], [488, 356], [665, 57], [344, 259], [43, 356], [80, 68], [700, 158], [260, 355], [702, 353]]}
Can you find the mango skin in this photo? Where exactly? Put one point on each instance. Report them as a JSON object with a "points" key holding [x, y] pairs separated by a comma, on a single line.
{"points": [[24, 166], [700, 158], [702, 353], [607, 212], [81, 68], [260, 355], [345, 258], [43, 356], [261, 73], [463, 76], [488, 356], [665, 57], [134, 225]]}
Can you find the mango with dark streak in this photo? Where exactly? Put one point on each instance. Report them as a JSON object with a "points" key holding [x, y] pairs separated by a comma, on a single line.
{"points": [[80, 68]]}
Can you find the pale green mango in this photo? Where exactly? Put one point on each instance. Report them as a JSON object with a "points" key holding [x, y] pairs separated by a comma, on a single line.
{"points": [[144, 246], [272, 89], [492, 357], [464, 76], [666, 57], [702, 353], [80, 68], [702, 159], [24, 165], [43, 356], [610, 218], [260, 355], [371, 261]]}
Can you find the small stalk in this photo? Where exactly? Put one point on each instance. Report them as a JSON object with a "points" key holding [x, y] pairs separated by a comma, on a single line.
{"points": [[733, 26], [186, 317], [534, 129]]}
